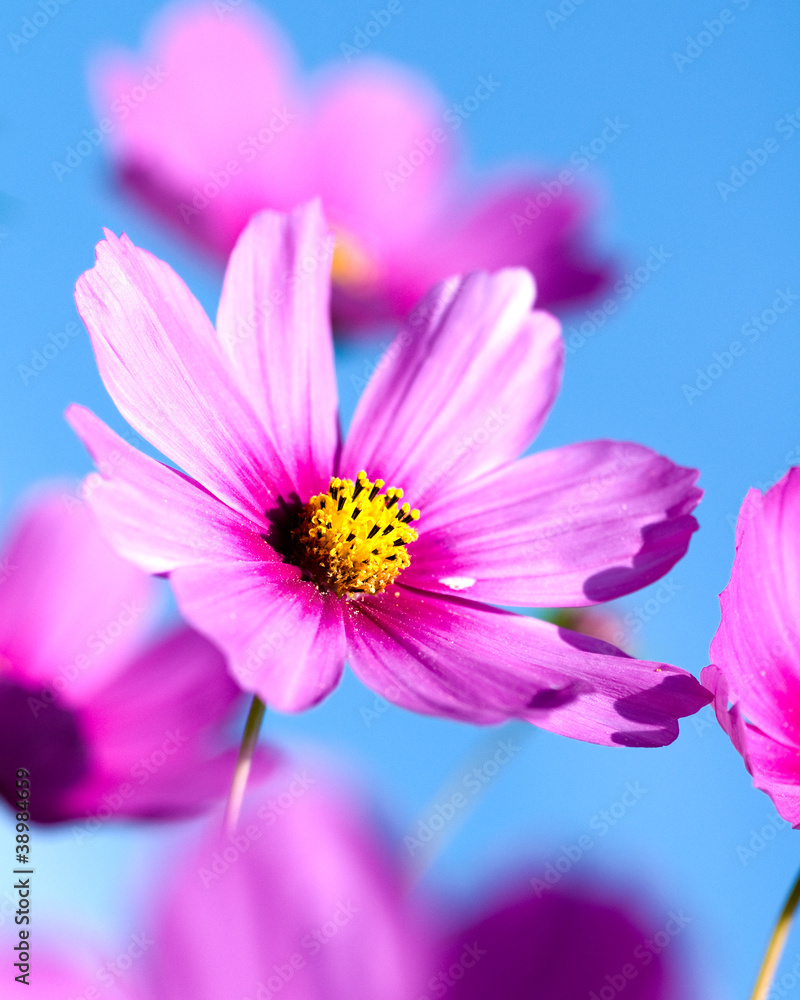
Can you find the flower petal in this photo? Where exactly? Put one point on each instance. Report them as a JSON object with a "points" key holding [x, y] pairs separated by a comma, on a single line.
{"points": [[217, 136], [274, 323], [572, 526], [467, 661], [71, 610], [504, 227], [311, 897], [379, 170], [156, 735], [160, 360], [464, 388], [152, 514], [756, 645], [284, 640]]}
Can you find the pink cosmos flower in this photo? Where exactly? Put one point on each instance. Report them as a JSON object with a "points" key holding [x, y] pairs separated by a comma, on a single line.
{"points": [[210, 125], [305, 902], [108, 723], [755, 654], [309, 902], [294, 551]]}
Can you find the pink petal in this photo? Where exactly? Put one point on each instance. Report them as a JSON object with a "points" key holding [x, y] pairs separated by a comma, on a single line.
{"points": [[154, 515], [775, 768], [283, 639], [572, 526], [467, 661], [773, 763], [161, 362], [274, 323], [156, 734], [307, 895], [378, 168], [71, 610], [218, 133], [500, 229], [464, 388], [756, 645]]}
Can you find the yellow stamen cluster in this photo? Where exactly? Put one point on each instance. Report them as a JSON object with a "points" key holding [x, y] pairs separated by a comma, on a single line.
{"points": [[352, 539]]}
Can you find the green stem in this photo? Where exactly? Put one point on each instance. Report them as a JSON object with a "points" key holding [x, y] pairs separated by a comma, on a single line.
{"points": [[243, 764], [776, 944]]}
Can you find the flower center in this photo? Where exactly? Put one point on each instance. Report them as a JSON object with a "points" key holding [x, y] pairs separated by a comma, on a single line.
{"points": [[352, 539], [352, 267]]}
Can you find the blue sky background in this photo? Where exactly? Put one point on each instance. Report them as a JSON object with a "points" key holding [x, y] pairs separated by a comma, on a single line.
{"points": [[687, 127]]}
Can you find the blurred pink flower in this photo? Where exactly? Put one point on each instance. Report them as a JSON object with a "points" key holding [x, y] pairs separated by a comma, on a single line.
{"points": [[310, 901], [305, 902], [290, 570], [582, 942], [755, 655], [107, 723], [210, 125]]}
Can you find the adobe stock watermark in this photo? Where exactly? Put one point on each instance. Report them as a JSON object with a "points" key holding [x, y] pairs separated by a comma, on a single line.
{"points": [[364, 36], [426, 146], [47, 352], [562, 13], [696, 45], [96, 644], [581, 158], [575, 337], [759, 839], [429, 826], [753, 502], [446, 979], [311, 944], [635, 620], [139, 774], [643, 954], [30, 26], [249, 149], [757, 157], [268, 813], [751, 332], [122, 106], [601, 823]]}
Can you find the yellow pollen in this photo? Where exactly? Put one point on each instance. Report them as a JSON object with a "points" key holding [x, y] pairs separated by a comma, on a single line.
{"points": [[352, 539], [351, 267]]}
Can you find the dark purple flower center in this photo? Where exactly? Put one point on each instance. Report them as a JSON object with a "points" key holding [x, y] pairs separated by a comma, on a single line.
{"points": [[39, 734]]}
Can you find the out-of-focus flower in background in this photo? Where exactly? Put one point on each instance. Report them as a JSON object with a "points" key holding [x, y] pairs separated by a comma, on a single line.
{"points": [[604, 623], [306, 900], [589, 941], [109, 721], [290, 570], [310, 900], [755, 655], [211, 125]]}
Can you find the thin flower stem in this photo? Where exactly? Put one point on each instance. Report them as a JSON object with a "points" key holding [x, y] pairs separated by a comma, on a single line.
{"points": [[240, 775], [776, 944]]}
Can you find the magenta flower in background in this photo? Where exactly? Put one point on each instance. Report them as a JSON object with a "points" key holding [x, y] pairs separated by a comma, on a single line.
{"points": [[755, 655], [210, 126], [291, 568], [108, 722], [305, 901], [580, 942], [318, 904]]}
